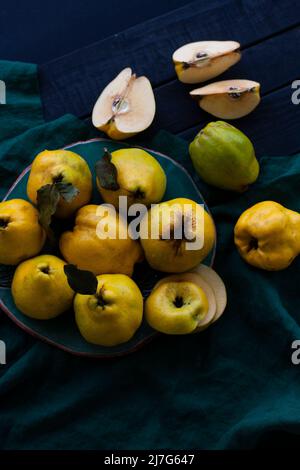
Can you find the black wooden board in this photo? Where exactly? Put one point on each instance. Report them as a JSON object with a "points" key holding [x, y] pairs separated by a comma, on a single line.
{"points": [[269, 34]]}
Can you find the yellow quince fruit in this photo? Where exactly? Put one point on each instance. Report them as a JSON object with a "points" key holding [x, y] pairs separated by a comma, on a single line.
{"points": [[112, 315], [21, 235], [136, 175], [267, 235], [100, 242], [176, 306], [61, 170], [40, 288], [177, 235]]}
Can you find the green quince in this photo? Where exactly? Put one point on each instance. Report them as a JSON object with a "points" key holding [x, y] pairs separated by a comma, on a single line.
{"points": [[224, 157]]}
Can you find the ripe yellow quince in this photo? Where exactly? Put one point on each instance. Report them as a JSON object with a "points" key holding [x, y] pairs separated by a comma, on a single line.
{"points": [[113, 314], [267, 235], [40, 288], [21, 235], [138, 176], [91, 248], [176, 306], [52, 167], [176, 235], [196, 279], [188, 303]]}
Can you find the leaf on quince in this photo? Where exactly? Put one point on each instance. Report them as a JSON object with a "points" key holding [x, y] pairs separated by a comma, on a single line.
{"points": [[47, 200], [67, 191], [81, 281], [48, 197], [107, 173]]}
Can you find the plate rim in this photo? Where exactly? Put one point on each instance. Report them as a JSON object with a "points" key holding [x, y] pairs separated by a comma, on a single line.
{"points": [[151, 336]]}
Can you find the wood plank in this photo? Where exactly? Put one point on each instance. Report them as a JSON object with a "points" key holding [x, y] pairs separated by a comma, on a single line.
{"points": [[273, 127], [272, 63], [72, 83], [62, 26]]}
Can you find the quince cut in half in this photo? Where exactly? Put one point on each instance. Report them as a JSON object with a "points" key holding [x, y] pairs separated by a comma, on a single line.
{"points": [[212, 278], [200, 61], [228, 99], [125, 107]]}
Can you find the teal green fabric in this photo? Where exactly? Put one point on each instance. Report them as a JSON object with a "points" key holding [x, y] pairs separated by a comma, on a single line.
{"points": [[233, 386], [23, 132]]}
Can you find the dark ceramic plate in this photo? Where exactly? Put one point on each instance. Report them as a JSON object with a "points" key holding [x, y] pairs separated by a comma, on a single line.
{"points": [[62, 331]]}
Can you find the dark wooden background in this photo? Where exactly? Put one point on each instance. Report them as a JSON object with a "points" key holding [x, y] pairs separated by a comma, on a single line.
{"points": [[81, 45], [269, 34]]}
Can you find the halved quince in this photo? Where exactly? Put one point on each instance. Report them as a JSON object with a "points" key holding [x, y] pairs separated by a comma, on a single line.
{"points": [[228, 99], [200, 61], [215, 282], [125, 107]]}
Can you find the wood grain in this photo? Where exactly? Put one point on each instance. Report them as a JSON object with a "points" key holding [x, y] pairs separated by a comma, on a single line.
{"points": [[273, 127], [72, 83]]}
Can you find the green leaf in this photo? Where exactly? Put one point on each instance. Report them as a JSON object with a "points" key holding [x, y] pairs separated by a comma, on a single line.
{"points": [[48, 197], [82, 282], [47, 200], [107, 173], [67, 191]]}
